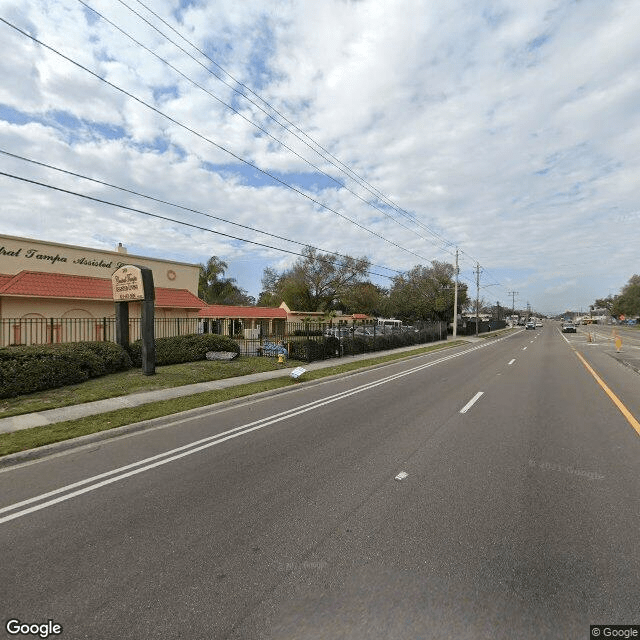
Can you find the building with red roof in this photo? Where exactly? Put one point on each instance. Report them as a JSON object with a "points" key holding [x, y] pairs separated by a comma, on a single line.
{"points": [[52, 280], [65, 283], [252, 321]]}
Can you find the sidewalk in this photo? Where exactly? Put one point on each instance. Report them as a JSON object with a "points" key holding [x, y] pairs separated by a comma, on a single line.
{"points": [[72, 412]]}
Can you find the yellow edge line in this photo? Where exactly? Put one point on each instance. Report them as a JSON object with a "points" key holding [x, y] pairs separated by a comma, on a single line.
{"points": [[614, 398]]}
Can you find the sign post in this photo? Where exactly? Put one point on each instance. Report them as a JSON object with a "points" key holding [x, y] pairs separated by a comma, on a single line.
{"points": [[131, 283]]}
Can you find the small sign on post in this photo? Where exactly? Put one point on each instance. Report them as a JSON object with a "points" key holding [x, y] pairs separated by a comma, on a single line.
{"points": [[131, 283], [127, 283]]}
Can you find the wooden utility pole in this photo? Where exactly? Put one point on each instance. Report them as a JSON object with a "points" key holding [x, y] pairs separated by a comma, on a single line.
{"points": [[477, 296], [455, 301]]}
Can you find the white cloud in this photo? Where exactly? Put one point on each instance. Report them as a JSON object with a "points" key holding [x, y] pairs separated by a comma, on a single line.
{"points": [[511, 130]]}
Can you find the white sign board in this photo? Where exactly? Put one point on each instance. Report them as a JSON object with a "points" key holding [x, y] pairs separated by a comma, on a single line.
{"points": [[127, 284]]}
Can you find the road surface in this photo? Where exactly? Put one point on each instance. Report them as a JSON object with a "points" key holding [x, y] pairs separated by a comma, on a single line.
{"points": [[489, 491]]}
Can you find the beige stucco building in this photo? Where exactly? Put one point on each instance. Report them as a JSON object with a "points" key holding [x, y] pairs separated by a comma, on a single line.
{"points": [[60, 282]]}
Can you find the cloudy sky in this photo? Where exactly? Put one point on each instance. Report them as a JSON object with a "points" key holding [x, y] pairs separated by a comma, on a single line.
{"points": [[395, 129]]}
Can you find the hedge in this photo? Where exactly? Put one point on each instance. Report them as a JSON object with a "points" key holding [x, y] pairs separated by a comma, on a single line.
{"points": [[178, 349], [25, 369], [310, 350]]}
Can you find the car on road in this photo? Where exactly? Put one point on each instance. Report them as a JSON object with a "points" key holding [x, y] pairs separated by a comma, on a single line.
{"points": [[530, 325], [568, 327], [538, 323]]}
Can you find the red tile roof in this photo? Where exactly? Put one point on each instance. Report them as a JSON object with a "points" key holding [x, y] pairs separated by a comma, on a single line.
{"points": [[36, 284], [229, 311], [4, 278], [177, 299]]}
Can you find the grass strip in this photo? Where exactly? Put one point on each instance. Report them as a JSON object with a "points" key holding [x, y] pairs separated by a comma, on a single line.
{"points": [[133, 381], [34, 437]]}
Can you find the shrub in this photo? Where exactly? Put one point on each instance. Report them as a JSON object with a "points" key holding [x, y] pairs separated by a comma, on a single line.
{"points": [[310, 350], [25, 369], [179, 349]]}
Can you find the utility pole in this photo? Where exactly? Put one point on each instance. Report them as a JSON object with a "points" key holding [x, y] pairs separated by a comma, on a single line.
{"points": [[455, 301], [513, 295], [477, 296]]}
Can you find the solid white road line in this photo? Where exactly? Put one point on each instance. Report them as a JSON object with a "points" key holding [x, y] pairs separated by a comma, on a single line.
{"points": [[471, 402], [95, 482]]}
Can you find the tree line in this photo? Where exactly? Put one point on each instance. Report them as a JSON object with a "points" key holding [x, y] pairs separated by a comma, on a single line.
{"points": [[626, 303], [331, 284]]}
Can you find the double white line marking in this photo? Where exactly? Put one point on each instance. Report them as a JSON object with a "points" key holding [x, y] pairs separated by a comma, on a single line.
{"points": [[67, 492]]}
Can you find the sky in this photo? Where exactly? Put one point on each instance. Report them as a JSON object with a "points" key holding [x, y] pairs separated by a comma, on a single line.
{"points": [[399, 130]]}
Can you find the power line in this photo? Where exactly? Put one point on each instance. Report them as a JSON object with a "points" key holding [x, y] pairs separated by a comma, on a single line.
{"points": [[178, 206], [343, 167], [158, 216], [238, 113], [203, 137]]}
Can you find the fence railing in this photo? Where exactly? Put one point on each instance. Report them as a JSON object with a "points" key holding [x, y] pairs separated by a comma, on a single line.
{"points": [[302, 341], [319, 341], [30, 331]]}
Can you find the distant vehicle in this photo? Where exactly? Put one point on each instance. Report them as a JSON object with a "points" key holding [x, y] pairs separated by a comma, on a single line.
{"points": [[338, 332], [389, 323], [632, 322], [538, 323], [568, 327], [530, 325]]}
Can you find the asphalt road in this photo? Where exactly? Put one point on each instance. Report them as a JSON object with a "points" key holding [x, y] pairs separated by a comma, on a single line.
{"points": [[518, 516]]}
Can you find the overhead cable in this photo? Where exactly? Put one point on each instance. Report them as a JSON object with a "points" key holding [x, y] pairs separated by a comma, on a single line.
{"points": [[240, 114], [208, 140], [178, 206], [158, 216]]}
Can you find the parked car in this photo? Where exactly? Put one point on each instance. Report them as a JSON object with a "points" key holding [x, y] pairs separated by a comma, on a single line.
{"points": [[568, 327], [338, 332]]}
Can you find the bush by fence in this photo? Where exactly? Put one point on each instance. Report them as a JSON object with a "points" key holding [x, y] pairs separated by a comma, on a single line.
{"points": [[28, 369], [178, 349], [319, 346]]}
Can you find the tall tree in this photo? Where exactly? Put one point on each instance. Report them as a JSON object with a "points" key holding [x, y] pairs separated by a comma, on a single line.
{"points": [[628, 302], [315, 282], [214, 288], [604, 303], [365, 297], [426, 293]]}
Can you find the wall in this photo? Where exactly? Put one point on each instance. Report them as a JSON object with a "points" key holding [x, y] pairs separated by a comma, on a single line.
{"points": [[19, 254]]}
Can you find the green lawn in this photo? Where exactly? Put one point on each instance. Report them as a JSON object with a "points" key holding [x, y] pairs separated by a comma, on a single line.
{"points": [[171, 376], [132, 381]]}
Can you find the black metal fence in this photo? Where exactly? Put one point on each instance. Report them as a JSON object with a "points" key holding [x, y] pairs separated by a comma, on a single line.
{"points": [[29, 331], [468, 326], [319, 341], [301, 341]]}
